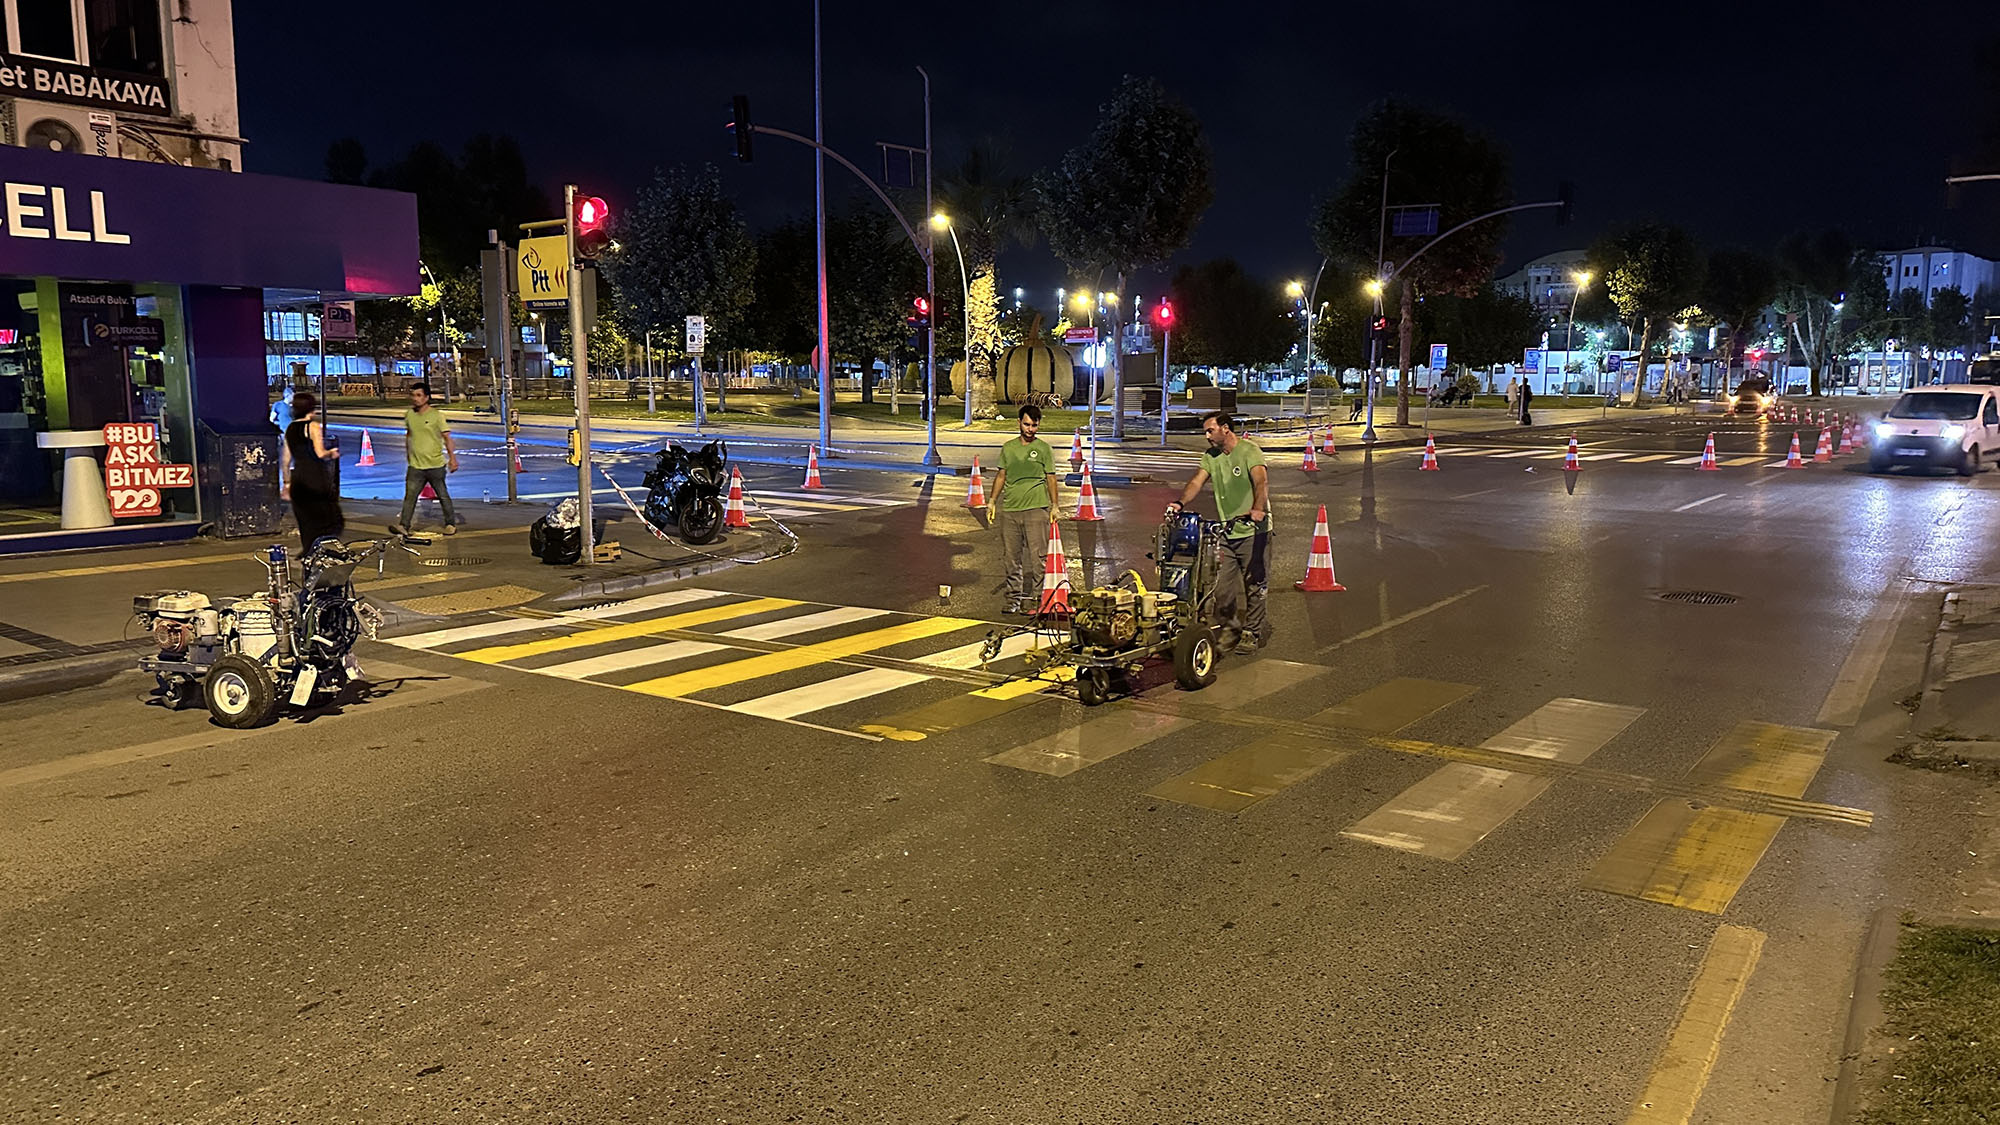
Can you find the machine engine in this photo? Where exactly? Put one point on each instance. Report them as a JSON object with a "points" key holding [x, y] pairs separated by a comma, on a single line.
{"points": [[177, 619], [1109, 618]]}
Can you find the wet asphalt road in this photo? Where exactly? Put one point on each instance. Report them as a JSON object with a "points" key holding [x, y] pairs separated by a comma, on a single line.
{"points": [[508, 896]]}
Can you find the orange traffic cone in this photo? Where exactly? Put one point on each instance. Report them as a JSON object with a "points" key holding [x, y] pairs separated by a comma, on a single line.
{"points": [[975, 497], [1708, 455], [1319, 564], [1825, 450], [1569, 461], [1086, 500], [812, 468], [1076, 449], [1847, 438], [428, 492], [1330, 450], [1792, 459], [1311, 462], [517, 458], [1430, 455], [367, 452], [1055, 577], [733, 514]]}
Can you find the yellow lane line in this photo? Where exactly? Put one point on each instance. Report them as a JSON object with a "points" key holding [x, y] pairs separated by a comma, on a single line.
{"points": [[1842, 706], [755, 667], [624, 631], [1688, 1058], [123, 568]]}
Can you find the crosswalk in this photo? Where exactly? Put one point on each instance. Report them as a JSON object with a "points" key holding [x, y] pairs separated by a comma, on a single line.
{"points": [[791, 505], [1628, 457], [890, 676]]}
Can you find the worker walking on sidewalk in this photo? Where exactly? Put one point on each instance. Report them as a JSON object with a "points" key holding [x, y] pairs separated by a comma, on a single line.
{"points": [[1025, 493], [427, 444], [1243, 504]]}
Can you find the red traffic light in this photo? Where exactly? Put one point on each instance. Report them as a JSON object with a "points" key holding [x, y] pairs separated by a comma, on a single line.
{"points": [[1164, 314], [923, 306], [591, 224]]}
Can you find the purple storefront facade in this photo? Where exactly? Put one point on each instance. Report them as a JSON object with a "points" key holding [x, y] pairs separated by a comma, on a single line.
{"points": [[134, 292]]}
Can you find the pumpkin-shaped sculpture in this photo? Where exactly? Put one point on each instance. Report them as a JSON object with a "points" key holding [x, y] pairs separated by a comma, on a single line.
{"points": [[1034, 369]]}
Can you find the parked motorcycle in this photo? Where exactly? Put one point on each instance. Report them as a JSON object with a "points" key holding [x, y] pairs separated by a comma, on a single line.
{"points": [[686, 490], [249, 655]]}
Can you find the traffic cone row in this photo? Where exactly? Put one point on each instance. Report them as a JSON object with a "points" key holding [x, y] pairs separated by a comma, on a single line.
{"points": [[733, 514], [1311, 462], [1330, 450], [812, 468], [1076, 449], [1569, 461], [1086, 500], [975, 497], [1319, 564], [1055, 577], [1708, 454], [1847, 438], [1430, 455], [367, 452], [1792, 460], [1824, 452]]}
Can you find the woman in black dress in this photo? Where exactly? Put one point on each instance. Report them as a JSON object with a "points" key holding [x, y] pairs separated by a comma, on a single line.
{"points": [[303, 476]]}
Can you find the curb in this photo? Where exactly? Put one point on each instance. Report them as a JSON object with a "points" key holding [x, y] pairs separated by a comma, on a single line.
{"points": [[66, 674], [1864, 1007], [597, 590]]}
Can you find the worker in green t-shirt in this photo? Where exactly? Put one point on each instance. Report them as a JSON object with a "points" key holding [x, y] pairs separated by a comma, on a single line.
{"points": [[1243, 504], [1025, 493], [427, 444]]}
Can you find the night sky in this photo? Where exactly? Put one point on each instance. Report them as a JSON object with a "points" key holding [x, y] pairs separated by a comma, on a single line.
{"points": [[1742, 121]]}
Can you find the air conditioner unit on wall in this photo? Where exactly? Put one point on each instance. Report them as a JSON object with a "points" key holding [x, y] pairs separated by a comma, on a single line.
{"points": [[64, 128]]}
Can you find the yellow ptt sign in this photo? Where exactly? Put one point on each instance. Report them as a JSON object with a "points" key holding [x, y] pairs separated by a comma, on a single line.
{"points": [[542, 272]]}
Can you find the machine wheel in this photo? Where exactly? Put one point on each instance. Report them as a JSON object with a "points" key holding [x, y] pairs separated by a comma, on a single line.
{"points": [[1093, 686], [1968, 462], [1194, 657], [240, 693], [700, 519]]}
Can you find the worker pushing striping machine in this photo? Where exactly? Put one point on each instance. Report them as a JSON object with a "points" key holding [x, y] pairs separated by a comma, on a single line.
{"points": [[1115, 629]]}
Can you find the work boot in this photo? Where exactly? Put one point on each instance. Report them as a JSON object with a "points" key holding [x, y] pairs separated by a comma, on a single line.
{"points": [[451, 529], [1228, 640], [1248, 646], [1016, 607]]}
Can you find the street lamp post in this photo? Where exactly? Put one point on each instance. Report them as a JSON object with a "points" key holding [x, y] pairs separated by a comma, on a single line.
{"points": [[1297, 292], [1569, 334], [941, 221], [1374, 288]]}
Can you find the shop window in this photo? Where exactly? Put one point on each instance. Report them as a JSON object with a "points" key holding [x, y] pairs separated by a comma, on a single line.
{"points": [[124, 36], [46, 28]]}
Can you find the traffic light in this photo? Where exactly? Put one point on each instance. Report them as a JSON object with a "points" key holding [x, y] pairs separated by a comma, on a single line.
{"points": [[923, 306], [1163, 315], [1565, 203], [591, 223], [742, 127], [918, 322]]}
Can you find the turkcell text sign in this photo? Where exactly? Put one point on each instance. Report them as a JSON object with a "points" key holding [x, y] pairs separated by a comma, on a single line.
{"points": [[50, 81], [1531, 361], [541, 273], [134, 478], [1438, 354]]}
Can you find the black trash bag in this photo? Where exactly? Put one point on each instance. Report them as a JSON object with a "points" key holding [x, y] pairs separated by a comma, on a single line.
{"points": [[557, 538]]}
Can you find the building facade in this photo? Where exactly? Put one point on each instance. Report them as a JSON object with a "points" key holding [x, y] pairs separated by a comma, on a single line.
{"points": [[136, 260], [1548, 282], [1931, 268]]}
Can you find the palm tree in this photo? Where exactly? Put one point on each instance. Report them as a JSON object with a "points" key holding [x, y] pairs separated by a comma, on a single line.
{"points": [[991, 208]]}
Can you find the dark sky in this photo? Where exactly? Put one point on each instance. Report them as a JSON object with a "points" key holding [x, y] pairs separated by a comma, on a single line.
{"points": [[1742, 121]]}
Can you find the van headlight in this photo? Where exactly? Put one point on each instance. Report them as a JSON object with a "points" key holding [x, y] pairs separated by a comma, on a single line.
{"points": [[1884, 430], [1952, 432]]}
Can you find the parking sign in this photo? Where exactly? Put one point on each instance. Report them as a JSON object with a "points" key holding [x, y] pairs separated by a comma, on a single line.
{"points": [[1438, 353], [697, 337]]}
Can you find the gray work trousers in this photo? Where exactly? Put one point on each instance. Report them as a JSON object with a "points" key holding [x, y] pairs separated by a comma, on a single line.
{"points": [[1241, 584], [413, 484], [1026, 537]]}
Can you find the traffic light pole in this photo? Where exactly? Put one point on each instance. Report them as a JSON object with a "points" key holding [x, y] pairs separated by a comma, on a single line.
{"points": [[1166, 392], [579, 368]]}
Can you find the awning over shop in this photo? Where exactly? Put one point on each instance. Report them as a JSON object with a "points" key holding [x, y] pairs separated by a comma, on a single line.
{"points": [[95, 218]]}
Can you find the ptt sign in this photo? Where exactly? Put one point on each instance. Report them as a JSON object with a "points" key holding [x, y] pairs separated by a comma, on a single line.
{"points": [[542, 272], [46, 211]]}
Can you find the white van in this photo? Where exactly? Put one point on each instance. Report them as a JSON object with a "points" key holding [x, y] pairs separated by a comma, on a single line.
{"points": [[1953, 425]]}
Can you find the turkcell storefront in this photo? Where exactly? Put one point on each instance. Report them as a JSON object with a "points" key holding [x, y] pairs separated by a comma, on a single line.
{"points": [[133, 292]]}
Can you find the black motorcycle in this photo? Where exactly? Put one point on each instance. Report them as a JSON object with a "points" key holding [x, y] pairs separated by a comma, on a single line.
{"points": [[686, 490]]}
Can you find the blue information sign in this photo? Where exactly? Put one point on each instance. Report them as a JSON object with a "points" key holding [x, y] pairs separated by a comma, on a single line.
{"points": [[1531, 361], [1438, 353]]}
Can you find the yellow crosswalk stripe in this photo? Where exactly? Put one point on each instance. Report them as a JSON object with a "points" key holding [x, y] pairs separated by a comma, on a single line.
{"points": [[805, 656], [500, 654], [1698, 857]]}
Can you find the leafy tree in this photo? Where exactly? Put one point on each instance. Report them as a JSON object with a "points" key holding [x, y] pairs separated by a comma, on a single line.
{"points": [[990, 209], [784, 318], [1129, 197], [1910, 319], [1228, 318], [1950, 319], [1652, 275], [1736, 288], [683, 251], [873, 274], [1813, 270], [1865, 317], [459, 199]]}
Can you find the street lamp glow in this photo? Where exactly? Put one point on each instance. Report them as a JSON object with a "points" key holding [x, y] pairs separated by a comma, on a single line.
{"points": [[1374, 286], [940, 221], [1295, 289], [1583, 279]]}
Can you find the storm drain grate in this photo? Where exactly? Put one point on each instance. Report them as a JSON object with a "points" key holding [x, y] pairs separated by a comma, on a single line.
{"points": [[460, 560], [1698, 597]]}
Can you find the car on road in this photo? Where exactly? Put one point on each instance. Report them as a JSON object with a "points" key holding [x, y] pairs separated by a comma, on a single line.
{"points": [[1953, 426], [1753, 396]]}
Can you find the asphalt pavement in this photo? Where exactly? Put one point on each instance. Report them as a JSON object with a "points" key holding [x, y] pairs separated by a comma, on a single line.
{"points": [[1573, 807]]}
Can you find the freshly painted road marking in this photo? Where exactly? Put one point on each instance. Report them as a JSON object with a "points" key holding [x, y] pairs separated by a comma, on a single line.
{"points": [[1640, 460], [627, 660], [1856, 678], [771, 663], [1447, 813], [1688, 1057], [967, 657], [626, 630], [645, 605], [793, 626], [1736, 462], [1700, 502], [1696, 855], [437, 638], [1517, 453], [1403, 619], [1695, 460], [120, 568], [828, 693], [1393, 705]]}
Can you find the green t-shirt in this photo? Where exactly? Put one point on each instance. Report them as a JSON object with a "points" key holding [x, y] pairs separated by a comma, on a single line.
{"points": [[426, 437], [1234, 490], [1027, 465]]}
